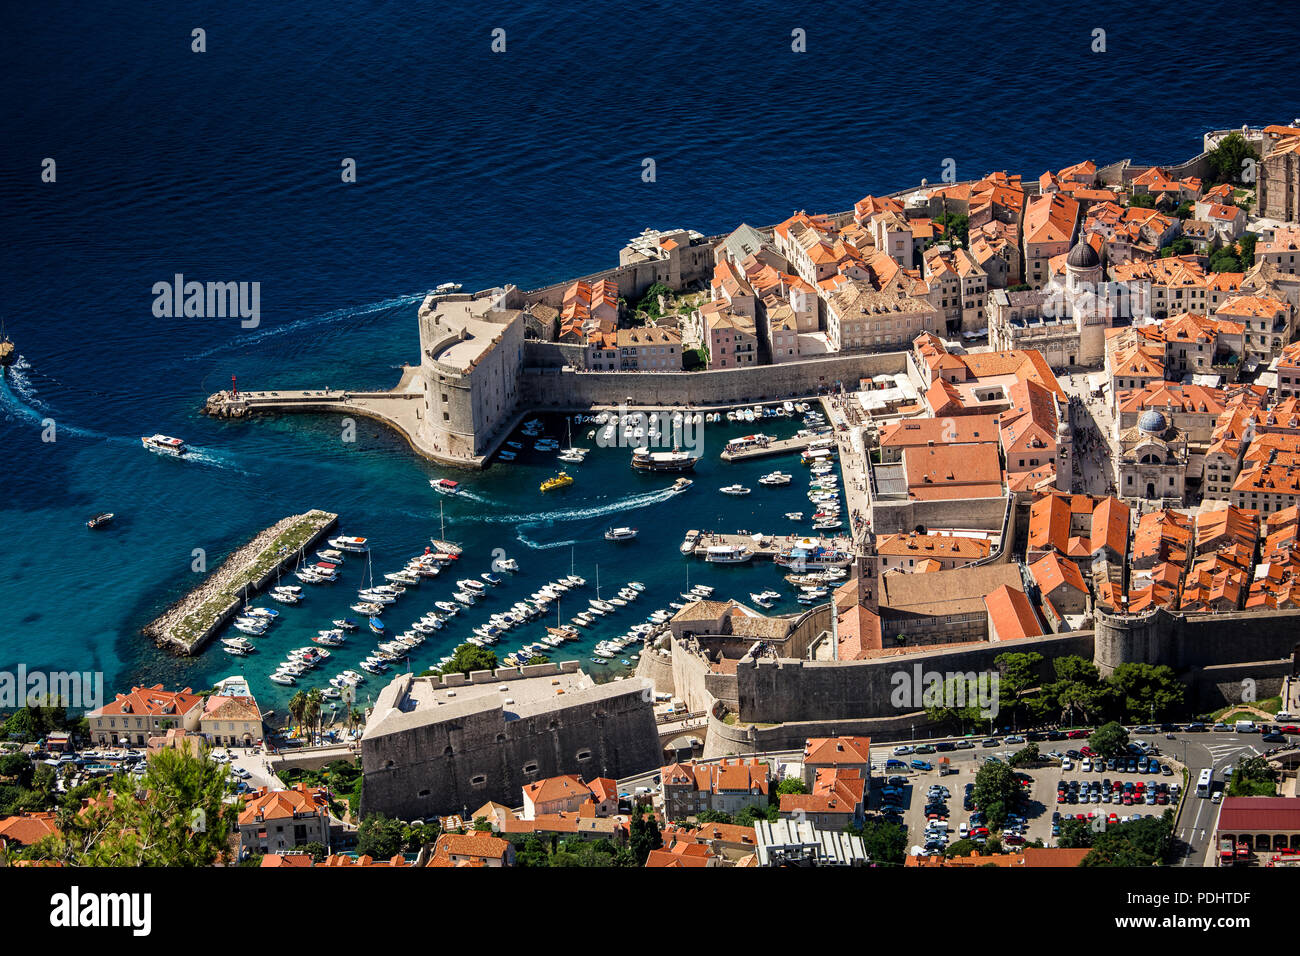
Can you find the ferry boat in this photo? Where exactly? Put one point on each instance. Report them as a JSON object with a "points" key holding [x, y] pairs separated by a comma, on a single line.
{"points": [[445, 485], [774, 479], [355, 545], [643, 459], [100, 520], [747, 441], [813, 557], [727, 554], [620, 534], [736, 490], [561, 480], [164, 445]]}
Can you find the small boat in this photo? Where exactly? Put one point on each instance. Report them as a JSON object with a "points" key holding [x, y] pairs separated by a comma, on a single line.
{"points": [[506, 455], [680, 485], [331, 554], [620, 534], [469, 584], [100, 520], [509, 564], [762, 601], [376, 625], [281, 678], [735, 490], [490, 578], [774, 479], [447, 606], [346, 624], [354, 545], [285, 597], [446, 287], [794, 515], [636, 585], [164, 445], [445, 485], [515, 445], [463, 597], [561, 480]]}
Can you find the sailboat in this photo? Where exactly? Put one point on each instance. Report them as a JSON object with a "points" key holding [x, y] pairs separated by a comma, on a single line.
{"points": [[571, 454], [442, 544]]}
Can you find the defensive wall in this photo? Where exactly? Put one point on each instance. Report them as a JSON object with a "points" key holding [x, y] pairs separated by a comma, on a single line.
{"points": [[544, 387]]}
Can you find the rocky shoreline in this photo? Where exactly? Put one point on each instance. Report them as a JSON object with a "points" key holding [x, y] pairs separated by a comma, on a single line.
{"points": [[191, 621]]}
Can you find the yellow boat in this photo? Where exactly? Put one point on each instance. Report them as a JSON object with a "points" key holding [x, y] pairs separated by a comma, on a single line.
{"points": [[561, 480]]}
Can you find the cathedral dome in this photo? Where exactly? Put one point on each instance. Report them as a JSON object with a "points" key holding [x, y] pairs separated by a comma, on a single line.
{"points": [[1152, 422], [1083, 256]]}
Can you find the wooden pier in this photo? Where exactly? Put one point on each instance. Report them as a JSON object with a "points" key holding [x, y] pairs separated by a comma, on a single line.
{"points": [[191, 622]]}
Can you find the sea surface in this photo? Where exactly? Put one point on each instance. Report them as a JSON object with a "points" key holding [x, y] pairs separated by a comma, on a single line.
{"points": [[523, 166]]}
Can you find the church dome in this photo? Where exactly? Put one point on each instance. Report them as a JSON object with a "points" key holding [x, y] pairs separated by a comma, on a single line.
{"points": [[1083, 256], [1152, 422]]}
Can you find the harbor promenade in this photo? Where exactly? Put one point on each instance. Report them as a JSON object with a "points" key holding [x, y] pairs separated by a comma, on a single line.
{"points": [[854, 462]]}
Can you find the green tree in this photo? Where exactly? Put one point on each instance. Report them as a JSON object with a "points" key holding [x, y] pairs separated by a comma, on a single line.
{"points": [[1147, 691], [298, 708], [1227, 160], [1078, 693], [1026, 756], [996, 790], [1109, 740], [176, 814], [1018, 672], [1252, 778], [1143, 842], [1075, 834], [791, 785], [380, 837], [1143, 201], [884, 842], [643, 836], [956, 228], [1246, 250], [468, 658], [315, 850]]}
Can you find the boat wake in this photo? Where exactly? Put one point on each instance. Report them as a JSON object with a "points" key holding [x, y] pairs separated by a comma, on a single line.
{"points": [[297, 325], [18, 396], [630, 503], [214, 459], [528, 542]]}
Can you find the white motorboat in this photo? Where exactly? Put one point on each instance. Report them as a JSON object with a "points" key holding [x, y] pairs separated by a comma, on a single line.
{"points": [[735, 490], [775, 479], [354, 545], [727, 554], [620, 534], [281, 678], [164, 445], [463, 597], [794, 515]]}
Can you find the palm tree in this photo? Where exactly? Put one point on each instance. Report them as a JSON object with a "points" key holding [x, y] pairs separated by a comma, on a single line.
{"points": [[312, 711], [356, 717], [298, 707]]}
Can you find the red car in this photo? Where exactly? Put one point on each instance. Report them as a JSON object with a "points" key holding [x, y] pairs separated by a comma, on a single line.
{"points": [[1076, 735], [1289, 729], [1060, 796], [1087, 751], [1128, 799]]}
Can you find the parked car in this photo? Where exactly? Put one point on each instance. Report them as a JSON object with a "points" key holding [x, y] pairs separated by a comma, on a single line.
{"points": [[1274, 738], [904, 750], [963, 745], [922, 765], [989, 742]]}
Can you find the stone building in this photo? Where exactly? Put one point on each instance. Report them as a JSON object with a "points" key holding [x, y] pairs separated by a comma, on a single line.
{"points": [[436, 745], [1151, 459], [1279, 174], [471, 356]]}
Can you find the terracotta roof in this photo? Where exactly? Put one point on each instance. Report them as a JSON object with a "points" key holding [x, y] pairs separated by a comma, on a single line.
{"points": [[1259, 814], [1011, 614]]}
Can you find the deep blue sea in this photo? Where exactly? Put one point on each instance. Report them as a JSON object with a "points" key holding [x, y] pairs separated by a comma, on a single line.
{"points": [[480, 167]]}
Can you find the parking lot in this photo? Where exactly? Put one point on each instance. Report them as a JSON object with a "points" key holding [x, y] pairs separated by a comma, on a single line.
{"points": [[932, 800]]}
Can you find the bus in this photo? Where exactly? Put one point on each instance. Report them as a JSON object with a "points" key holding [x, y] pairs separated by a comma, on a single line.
{"points": [[1204, 783]]}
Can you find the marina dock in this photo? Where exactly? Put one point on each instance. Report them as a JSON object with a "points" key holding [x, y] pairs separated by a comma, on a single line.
{"points": [[192, 621], [777, 446], [765, 546]]}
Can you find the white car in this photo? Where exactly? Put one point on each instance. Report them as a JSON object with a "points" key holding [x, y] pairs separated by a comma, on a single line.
{"points": [[220, 756], [240, 772], [1086, 765], [1067, 763], [903, 751]]}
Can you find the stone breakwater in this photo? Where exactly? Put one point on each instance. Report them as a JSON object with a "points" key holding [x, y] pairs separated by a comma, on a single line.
{"points": [[186, 626]]}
